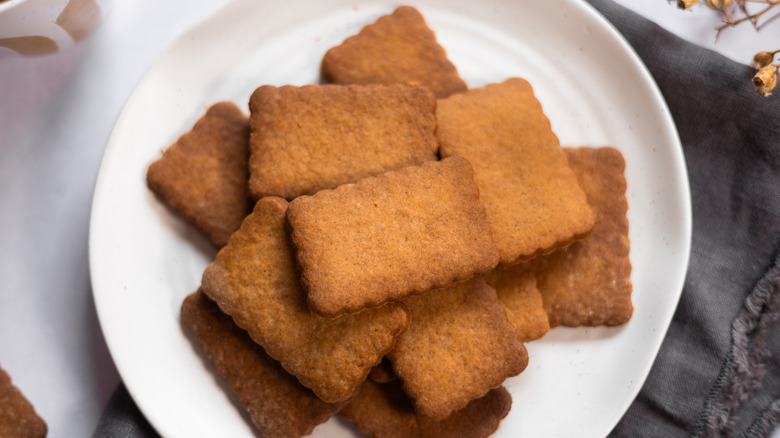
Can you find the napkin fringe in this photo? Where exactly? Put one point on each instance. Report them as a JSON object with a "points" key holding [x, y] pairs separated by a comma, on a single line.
{"points": [[766, 423], [744, 367]]}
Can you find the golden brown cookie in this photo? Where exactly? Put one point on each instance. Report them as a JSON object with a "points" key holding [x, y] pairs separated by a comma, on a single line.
{"points": [[589, 282], [459, 346], [479, 419], [384, 411], [531, 196], [397, 49], [254, 280], [305, 139], [386, 237], [516, 289], [18, 418], [277, 403], [383, 372], [204, 174]]}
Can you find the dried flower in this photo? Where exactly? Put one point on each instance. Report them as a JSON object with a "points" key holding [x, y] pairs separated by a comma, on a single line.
{"points": [[685, 4], [720, 5], [765, 80], [736, 12], [762, 59]]}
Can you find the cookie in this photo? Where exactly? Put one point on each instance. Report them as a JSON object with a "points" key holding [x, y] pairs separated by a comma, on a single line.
{"points": [[276, 402], [532, 198], [589, 282], [480, 418], [305, 139], [383, 372], [398, 49], [460, 345], [390, 236], [254, 280], [204, 174], [516, 290], [18, 418], [384, 411]]}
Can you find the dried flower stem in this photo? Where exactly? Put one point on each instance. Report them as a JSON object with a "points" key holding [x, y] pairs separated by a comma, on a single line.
{"points": [[753, 18], [765, 78]]}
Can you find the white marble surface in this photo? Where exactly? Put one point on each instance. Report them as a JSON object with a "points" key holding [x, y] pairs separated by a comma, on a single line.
{"points": [[56, 114]]}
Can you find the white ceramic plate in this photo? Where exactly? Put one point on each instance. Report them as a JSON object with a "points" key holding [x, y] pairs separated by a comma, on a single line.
{"points": [[145, 260]]}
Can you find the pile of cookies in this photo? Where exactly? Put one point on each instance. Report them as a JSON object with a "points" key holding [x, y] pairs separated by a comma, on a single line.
{"points": [[18, 417], [389, 241]]}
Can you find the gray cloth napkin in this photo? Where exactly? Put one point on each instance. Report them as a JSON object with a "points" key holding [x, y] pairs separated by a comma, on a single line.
{"points": [[718, 370]]}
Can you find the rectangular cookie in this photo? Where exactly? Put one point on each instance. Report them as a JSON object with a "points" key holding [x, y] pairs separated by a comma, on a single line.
{"points": [[384, 411], [204, 174], [386, 237], [589, 282], [517, 291], [460, 345], [532, 199], [254, 280], [305, 139], [276, 402], [399, 48], [480, 418], [18, 418]]}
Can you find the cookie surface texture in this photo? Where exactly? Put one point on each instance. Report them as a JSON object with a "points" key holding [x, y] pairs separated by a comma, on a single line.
{"points": [[589, 282], [17, 415], [399, 48], [276, 402], [386, 237], [204, 174], [305, 139], [460, 345], [254, 280], [531, 195], [384, 411], [517, 291]]}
